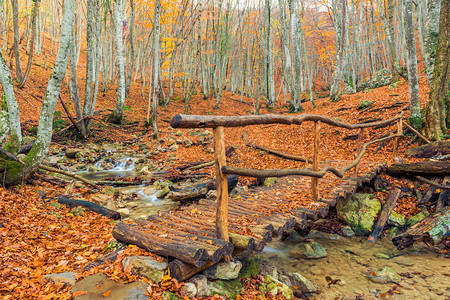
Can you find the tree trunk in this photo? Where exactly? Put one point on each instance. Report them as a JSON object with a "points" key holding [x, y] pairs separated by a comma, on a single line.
{"points": [[415, 118], [15, 9], [431, 37], [156, 87], [430, 150], [15, 134], [16, 171], [132, 51], [423, 168], [33, 38], [435, 116], [340, 30], [117, 114]]}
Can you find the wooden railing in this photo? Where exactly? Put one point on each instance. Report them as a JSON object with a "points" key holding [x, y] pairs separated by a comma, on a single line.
{"points": [[217, 123]]}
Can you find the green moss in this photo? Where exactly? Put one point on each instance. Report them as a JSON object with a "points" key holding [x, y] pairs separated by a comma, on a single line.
{"points": [[228, 288], [250, 268]]}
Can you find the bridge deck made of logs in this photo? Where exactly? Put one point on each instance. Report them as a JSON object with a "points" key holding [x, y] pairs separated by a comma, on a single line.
{"points": [[187, 234]]}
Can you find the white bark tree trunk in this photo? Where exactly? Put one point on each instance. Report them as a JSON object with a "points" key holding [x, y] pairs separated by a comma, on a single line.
{"points": [[413, 80]]}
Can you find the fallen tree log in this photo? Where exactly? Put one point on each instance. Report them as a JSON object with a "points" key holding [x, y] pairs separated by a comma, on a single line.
{"points": [[281, 153], [192, 254], [182, 271], [383, 217], [94, 207], [420, 168], [199, 190], [432, 229], [429, 150]]}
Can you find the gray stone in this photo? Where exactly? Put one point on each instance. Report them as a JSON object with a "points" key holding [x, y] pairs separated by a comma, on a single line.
{"points": [[189, 289], [201, 284], [187, 143], [97, 284], [124, 212], [303, 284], [145, 266], [347, 231], [396, 219], [268, 269], [380, 78], [68, 278], [315, 234], [309, 250], [358, 211], [384, 275], [224, 270], [294, 236], [211, 195]]}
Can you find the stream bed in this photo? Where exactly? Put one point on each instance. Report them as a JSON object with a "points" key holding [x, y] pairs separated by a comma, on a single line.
{"points": [[423, 274]]}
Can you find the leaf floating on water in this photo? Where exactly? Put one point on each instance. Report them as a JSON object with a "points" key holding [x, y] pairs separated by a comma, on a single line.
{"points": [[331, 281]]}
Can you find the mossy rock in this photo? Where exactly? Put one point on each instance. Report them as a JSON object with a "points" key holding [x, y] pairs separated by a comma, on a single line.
{"points": [[250, 267], [364, 104], [359, 212], [269, 181], [228, 288], [396, 219], [418, 217], [77, 211]]}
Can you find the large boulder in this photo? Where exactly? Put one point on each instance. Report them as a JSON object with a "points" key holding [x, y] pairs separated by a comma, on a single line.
{"points": [[224, 270], [359, 211], [97, 284], [380, 78], [272, 287], [145, 266]]}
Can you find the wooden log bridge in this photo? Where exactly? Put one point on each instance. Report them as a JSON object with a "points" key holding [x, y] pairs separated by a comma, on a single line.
{"points": [[188, 235], [199, 235]]}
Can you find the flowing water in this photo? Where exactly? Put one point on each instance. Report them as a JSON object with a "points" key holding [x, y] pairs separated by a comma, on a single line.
{"points": [[423, 273]]}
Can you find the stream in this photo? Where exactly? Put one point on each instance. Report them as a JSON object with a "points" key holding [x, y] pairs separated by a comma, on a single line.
{"points": [[423, 273]]}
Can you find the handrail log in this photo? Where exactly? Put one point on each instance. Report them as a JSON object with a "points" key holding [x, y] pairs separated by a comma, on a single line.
{"points": [[199, 121], [280, 172], [302, 172]]}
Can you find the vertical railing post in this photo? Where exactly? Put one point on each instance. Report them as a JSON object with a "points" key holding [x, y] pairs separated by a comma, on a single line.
{"points": [[222, 185], [315, 166], [397, 139], [359, 147]]}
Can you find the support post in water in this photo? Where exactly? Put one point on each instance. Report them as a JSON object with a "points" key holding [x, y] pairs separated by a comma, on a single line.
{"points": [[315, 166], [397, 139], [222, 185], [359, 147]]}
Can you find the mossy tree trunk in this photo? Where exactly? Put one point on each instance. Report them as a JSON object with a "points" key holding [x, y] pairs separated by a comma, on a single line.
{"points": [[435, 126], [9, 101], [13, 170]]}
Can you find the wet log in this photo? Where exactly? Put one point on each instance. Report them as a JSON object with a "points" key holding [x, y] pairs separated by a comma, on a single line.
{"points": [[432, 229], [429, 150], [443, 196], [199, 190], [281, 153], [191, 254], [383, 217], [182, 271], [420, 168], [94, 207]]}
